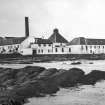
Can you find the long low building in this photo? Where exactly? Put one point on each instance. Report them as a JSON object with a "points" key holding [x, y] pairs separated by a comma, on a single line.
{"points": [[83, 45]]}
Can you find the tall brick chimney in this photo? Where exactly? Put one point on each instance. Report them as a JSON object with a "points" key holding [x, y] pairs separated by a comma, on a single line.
{"points": [[26, 27]]}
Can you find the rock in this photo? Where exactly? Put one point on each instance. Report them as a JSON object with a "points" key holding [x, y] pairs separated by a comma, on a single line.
{"points": [[46, 73], [37, 86], [32, 69], [75, 63], [7, 98], [35, 89], [7, 76], [27, 82], [35, 81], [66, 78], [28, 73], [93, 77]]}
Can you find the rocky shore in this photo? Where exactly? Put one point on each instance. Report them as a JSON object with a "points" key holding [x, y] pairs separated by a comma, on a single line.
{"points": [[17, 85]]}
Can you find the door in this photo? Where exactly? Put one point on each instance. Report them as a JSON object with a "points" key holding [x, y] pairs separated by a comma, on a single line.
{"points": [[34, 52]]}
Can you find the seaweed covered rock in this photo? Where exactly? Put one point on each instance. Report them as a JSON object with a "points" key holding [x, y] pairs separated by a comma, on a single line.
{"points": [[11, 77], [35, 81], [35, 89], [8, 76], [93, 77], [32, 69], [66, 78], [40, 85], [28, 73], [46, 73]]}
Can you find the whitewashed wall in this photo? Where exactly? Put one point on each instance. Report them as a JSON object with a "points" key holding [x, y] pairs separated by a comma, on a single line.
{"points": [[75, 49], [91, 49], [42, 49], [26, 51], [26, 43]]}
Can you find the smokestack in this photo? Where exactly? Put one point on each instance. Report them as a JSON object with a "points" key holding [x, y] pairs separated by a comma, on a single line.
{"points": [[26, 27]]}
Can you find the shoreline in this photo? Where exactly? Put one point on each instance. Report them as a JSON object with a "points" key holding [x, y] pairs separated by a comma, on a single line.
{"points": [[34, 81]]}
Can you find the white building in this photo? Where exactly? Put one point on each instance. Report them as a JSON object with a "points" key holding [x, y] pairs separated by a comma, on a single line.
{"points": [[42, 46], [10, 45], [59, 43], [55, 44], [13, 45], [83, 45]]}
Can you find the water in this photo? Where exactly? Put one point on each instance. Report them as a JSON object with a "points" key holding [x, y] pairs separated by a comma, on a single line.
{"points": [[81, 95], [86, 66]]}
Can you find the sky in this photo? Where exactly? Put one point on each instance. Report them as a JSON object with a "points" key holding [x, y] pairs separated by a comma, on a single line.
{"points": [[73, 18]]}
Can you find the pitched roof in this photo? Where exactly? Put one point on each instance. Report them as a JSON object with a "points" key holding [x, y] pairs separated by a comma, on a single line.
{"points": [[57, 38], [87, 41], [95, 41], [11, 40], [42, 41], [78, 41]]}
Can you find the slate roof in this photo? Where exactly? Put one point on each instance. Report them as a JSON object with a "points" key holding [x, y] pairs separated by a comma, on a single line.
{"points": [[42, 41], [87, 41], [57, 38], [11, 40], [95, 41]]}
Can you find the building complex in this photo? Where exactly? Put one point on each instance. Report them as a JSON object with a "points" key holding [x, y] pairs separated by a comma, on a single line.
{"points": [[56, 44]]}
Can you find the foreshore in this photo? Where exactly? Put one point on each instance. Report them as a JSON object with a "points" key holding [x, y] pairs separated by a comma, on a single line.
{"points": [[18, 85], [50, 58]]}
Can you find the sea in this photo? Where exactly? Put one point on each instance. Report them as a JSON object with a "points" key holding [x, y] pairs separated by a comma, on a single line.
{"points": [[81, 95]]}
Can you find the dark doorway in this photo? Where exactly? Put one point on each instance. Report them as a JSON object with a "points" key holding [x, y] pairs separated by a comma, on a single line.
{"points": [[34, 52]]}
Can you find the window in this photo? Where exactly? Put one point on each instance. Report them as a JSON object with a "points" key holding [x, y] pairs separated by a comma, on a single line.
{"points": [[81, 47], [44, 44], [86, 48], [62, 49], [69, 49], [56, 50], [98, 46], [39, 51], [94, 46], [49, 44], [90, 46], [90, 51], [39, 45], [103, 46]]}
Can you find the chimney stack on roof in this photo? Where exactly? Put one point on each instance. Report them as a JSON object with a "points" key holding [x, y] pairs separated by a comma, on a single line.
{"points": [[26, 27]]}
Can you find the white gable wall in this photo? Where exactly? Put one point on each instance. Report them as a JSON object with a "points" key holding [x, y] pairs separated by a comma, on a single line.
{"points": [[26, 43]]}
